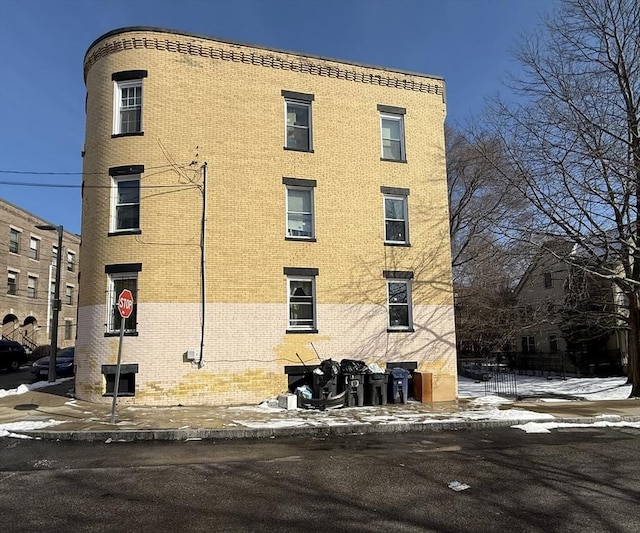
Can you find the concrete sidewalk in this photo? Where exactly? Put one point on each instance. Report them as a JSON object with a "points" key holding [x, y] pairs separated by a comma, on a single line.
{"points": [[51, 413]]}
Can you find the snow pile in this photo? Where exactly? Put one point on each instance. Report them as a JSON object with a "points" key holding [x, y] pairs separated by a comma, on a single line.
{"points": [[14, 429], [29, 387]]}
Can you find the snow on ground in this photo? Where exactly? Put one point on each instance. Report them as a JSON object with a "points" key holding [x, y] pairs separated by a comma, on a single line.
{"points": [[8, 430], [482, 405], [542, 389], [545, 427], [29, 387]]}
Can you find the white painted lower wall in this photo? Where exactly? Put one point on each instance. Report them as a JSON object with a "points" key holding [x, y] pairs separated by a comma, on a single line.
{"points": [[246, 349]]}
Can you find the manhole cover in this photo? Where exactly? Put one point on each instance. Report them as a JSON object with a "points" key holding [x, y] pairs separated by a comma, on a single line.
{"points": [[26, 407]]}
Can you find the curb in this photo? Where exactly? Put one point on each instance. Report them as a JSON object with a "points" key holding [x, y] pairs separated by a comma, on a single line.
{"points": [[322, 432]]}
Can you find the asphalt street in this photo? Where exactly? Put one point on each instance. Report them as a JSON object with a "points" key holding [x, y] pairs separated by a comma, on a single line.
{"points": [[12, 380], [580, 479]]}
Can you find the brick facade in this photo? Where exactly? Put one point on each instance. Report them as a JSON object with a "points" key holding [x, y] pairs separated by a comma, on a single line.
{"points": [[223, 104], [30, 274]]}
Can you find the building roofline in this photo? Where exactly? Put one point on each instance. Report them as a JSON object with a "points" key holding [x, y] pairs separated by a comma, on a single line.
{"points": [[152, 29], [38, 217]]}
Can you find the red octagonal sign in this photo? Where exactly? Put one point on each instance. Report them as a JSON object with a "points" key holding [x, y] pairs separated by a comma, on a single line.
{"points": [[125, 303]]}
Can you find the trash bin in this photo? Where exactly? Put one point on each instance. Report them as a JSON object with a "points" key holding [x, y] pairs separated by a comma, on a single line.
{"points": [[376, 389], [324, 385], [354, 388], [399, 385]]}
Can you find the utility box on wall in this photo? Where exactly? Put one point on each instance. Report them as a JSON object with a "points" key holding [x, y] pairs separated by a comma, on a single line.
{"points": [[423, 386]]}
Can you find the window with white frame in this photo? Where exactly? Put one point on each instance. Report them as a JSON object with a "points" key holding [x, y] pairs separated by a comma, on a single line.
{"points": [[301, 298], [125, 203], [300, 212], [396, 225], [392, 133], [128, 107], [399, 303], [71, 261], [298, 130], [34, 248], [54, 255], [68, 294], [12, 282], [14, 241], [117, 282], [32, 286]]}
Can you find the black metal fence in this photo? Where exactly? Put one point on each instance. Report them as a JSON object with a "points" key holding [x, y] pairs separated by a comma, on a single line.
{"points": [[580, 364]]}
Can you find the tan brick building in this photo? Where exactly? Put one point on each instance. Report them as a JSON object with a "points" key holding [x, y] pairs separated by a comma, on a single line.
{"points": [[319, 186], [28, 262]]}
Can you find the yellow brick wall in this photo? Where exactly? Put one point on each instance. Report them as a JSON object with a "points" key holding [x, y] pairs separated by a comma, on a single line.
{"points": [[230, 114]]}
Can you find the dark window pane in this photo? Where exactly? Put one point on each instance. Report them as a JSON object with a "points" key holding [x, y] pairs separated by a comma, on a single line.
{"points": [[398, 293], [395, 231], [128, 192], [399, 316], [127, 217]]}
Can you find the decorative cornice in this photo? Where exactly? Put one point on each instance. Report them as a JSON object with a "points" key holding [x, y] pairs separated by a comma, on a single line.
{"points": [[256, 57]]}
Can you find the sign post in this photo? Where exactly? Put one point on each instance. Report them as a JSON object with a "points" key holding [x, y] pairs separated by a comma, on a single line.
{"points": [[125, 308]]}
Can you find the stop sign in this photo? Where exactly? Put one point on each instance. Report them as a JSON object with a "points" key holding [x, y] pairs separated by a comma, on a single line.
{"points": [[125, 303]]}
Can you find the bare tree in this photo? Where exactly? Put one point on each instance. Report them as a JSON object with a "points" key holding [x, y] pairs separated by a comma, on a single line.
{"points": [[485, 267], [570, 143]]}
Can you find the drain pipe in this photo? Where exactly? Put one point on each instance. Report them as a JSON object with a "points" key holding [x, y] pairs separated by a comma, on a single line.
{"points": [[203, 263]]}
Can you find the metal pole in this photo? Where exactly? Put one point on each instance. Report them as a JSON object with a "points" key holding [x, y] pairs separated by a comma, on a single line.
{"points": [[117, 381], [56, 311]]}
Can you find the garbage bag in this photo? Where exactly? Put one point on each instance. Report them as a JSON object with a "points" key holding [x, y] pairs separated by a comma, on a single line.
{"points": [[330, 368], [305, 392], [375, 369], [352, 366]]}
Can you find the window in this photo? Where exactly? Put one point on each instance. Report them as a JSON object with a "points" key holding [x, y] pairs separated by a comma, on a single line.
{"points": [[301, 298], [392, 133], [128, 108], [547, 280], [68, 330], [126, 203], [300, 223], [32, 286], [127, 112], [528, 344], [553, 343], [68, 294], [399, 306], [34, 248], [71, 261], [121, 277], [396, 227], [12, 283], [399, 302], [54, 255], [298, 121], [14, 241]]}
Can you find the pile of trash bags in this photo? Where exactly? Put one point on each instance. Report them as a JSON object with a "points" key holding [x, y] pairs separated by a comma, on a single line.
{"points": [[324, 375]]}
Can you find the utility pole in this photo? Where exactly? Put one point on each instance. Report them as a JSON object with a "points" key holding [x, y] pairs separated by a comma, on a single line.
{"points": [[56, 302]]}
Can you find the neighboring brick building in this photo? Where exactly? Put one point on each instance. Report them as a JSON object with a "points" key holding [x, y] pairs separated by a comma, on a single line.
{"points": [[28, 262], [326, 219]]}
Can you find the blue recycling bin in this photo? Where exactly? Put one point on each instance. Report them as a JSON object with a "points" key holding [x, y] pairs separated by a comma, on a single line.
{"points": [[376, 389], [398, 385]]}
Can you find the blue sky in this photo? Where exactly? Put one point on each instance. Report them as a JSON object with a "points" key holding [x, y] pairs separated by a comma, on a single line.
{"points": [[42, 44]]}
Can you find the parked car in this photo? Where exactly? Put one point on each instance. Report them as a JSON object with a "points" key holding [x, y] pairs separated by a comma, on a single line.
{"points": [[65, 364], [12, 354]]}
